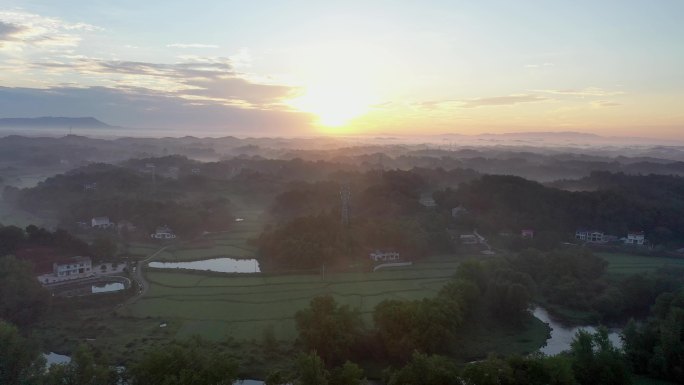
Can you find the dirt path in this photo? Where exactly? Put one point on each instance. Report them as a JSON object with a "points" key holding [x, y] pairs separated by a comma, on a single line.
{"points": [[139, 277]]}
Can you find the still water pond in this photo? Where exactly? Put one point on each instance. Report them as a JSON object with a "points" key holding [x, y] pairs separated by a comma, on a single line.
{"points": [[107, 287], [54, 359], [220, 265], [561, 335]]}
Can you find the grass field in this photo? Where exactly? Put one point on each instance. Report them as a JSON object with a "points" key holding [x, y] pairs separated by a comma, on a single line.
{"points": [[626, 264], [240, 306]]}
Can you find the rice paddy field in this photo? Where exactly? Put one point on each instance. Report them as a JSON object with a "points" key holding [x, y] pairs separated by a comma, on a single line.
{"points": [[627, 264], [242, 306]]}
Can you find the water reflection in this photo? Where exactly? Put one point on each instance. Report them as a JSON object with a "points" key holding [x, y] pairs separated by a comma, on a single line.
{"points": [[561, 335], [107, 287], [55, 359], [221, 265]]}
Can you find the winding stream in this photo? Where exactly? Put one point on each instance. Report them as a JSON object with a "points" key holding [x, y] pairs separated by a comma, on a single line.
{"points": [[562, 335]]}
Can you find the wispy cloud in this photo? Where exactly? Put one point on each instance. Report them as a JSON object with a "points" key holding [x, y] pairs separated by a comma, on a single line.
{"points": [[201, 79], [507, 100], [604, 103], [583, 92], [19, 30], [542, 65], [194, 45]]}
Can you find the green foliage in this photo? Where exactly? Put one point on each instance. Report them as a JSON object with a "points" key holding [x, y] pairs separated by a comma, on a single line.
{"points": [[425, 370], [22, 299], [535, 369], [621, 203], [20, 360], [595, 361], [191, 362], [329, 329], [83, 369], [347, 374], [427, 325], [103, 248], [656, 348], [311, 370]]}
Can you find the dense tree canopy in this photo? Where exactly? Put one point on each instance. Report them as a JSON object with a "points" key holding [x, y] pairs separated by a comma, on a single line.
{"points": [[22, 298]]}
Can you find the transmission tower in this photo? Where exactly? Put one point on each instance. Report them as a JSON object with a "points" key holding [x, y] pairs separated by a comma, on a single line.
{"points": [[345, 196]]}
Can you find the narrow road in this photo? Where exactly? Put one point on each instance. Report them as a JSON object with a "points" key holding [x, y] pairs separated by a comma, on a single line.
{"points": [[139, 277]]}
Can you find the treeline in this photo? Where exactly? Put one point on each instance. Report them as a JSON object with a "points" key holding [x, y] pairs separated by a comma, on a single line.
{"points": [[188, 205], [496, 203], [385, 214]]}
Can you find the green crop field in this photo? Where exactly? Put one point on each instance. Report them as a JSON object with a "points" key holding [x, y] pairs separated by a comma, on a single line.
{"points": [[241, 306], [626, 264]]}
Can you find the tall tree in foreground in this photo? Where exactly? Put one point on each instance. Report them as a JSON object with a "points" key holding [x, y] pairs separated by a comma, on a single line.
{"points": [[329, 329], [22, 298], [20, 360]]}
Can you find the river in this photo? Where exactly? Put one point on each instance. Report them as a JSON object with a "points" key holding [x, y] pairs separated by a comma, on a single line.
{"points": [[562, 335]]}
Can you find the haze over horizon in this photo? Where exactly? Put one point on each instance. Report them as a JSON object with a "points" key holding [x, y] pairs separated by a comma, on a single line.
{"points": [[437, 67]]}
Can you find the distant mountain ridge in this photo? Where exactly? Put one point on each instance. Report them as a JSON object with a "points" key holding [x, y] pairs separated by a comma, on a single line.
{"points": [[53, 122]]}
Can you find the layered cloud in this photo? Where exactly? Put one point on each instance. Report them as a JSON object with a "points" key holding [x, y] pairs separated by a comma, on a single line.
{"points": [[203, 80], [148, 109], [194, 91]]}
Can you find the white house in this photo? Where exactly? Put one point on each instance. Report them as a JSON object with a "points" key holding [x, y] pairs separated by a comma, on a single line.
{"points": [[635, 238], [592, 236], [76, 267], [527, 233], [469, 239], [458, 211], [163, 232], [384, 256], [101, 223]]}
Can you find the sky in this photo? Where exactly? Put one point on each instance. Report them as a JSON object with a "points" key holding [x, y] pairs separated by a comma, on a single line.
{"points": [[610, 67]]}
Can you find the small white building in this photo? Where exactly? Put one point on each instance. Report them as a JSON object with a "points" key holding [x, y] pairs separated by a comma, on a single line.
{"points": [[635, 238], [592, 236], [527, 233], [469, 239], [75, 267], [163, 232], [458, 211], [101, 223], [384, 256]]}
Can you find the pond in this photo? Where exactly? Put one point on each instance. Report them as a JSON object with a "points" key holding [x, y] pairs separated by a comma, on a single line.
{"points": [[220, 265], [54, 359], [107, 287], [562, 335]]}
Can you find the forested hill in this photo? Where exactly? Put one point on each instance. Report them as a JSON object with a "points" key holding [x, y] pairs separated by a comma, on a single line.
{"points": [[617, 204]]}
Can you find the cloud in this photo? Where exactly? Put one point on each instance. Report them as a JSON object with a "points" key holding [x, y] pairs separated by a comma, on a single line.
{"points": [[604, 103], [148, 109], [181, 45], [201, 79], [584, 92], [542, 65], [19, 30], [503, 100]]}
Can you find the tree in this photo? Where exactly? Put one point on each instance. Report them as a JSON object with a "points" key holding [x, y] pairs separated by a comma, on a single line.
{"points": [[10, 239], [20, 359], [329, 329], [595, 361], [191, 362], [311, 370], [82, 370], [22, 298], [347, 374], [103, 248], [424, 369]]}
